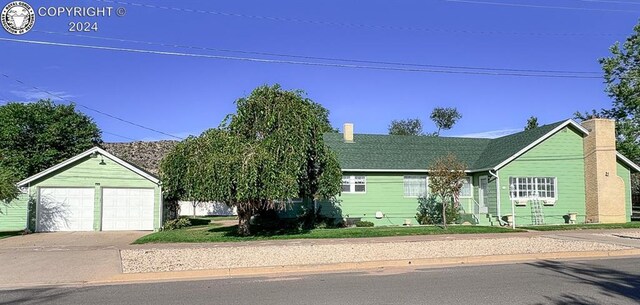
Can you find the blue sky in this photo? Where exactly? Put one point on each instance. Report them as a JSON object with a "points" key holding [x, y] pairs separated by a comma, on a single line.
{"points": [[186, 95]]}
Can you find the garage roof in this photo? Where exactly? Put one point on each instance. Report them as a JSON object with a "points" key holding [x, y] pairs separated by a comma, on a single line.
{"points": [[85, 154]]}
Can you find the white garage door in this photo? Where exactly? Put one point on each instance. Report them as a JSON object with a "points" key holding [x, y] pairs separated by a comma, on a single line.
{"points": [[127, 209], [65, 209]]}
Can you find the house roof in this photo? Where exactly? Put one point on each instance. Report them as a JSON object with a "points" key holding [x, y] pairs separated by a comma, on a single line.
{"points": [[382, 153], [85, 154], [408, 153]]}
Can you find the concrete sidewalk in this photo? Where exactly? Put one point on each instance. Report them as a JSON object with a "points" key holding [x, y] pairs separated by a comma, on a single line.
{"points": [[62, 257], [78, 260]]}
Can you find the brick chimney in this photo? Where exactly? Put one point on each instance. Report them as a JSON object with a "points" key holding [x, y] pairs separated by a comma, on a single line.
{"points": [[604, 188], [347, 132]]}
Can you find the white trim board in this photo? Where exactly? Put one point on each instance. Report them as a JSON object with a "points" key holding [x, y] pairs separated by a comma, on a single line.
{"points": [[86, 154], [628, 162]]}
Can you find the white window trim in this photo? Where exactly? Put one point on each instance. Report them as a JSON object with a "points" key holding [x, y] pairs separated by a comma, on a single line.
{"points": [[352, 184], [426, 191], [470, 179], [548, 201]]}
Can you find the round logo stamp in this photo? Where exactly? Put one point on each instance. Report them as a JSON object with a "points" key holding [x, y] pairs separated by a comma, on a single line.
{"points": [[18, 17]]}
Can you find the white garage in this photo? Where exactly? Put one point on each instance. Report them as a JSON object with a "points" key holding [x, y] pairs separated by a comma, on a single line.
{"points": [[65, 209], [127, 209]]}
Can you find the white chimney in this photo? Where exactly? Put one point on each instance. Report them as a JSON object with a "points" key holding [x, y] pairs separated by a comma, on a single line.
{"points": [[347, 132]]}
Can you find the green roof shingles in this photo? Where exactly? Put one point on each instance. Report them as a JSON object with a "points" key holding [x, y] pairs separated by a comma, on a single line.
{"points": [[390, 152], [502, 148]]}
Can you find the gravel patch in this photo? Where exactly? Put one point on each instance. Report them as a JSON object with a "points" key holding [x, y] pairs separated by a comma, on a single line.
{"points": [[157, 260]]}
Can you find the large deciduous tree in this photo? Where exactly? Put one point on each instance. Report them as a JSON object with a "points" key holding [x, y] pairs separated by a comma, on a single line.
{"points": [[622, 81], [445, 180], [270, 151], [8, 190], [408, 127], [444, 118], [36, 136]]}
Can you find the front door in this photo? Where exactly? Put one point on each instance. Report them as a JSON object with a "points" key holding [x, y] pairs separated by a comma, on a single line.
{"points": [[483, 196]]}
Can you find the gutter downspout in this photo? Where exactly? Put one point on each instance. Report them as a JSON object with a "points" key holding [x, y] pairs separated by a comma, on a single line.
{"points": [[500, 221]]}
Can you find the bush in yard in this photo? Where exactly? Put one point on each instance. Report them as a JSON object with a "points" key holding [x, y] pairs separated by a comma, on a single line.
{"points": [[198, 221], [430, 211], [364, 224], [175, 224]]}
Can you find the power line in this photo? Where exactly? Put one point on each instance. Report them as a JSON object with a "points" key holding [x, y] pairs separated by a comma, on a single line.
{"points": [[539, 6], [117, 135], [343, 24], [316, 57], [612, 1], [304, 63], [90, 108]]}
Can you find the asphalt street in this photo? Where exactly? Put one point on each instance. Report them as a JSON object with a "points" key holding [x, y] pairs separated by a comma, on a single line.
{"points": [[613, 281]]}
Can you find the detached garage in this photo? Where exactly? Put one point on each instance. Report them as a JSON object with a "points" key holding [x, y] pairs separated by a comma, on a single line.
{"points": [[93, 191]]}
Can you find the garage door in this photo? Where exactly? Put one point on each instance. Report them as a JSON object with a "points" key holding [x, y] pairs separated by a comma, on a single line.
{"points": [[65, 209], [127, 209]]}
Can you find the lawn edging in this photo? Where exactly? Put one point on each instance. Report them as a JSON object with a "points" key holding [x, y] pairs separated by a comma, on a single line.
{"points": [[227, 234]]}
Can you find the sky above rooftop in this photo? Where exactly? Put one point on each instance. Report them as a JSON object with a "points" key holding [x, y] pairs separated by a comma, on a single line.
{"points": [[186, 93]]}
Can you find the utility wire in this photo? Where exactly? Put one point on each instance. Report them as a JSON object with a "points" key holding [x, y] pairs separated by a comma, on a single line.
{"points": [[304, 63], [90, 108], [543, 6], [612, 2], [117, 135], [316, 57], [343, 24]]}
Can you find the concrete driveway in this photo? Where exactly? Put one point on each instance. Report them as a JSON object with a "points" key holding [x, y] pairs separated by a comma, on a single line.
{"points": [[62, 257]]}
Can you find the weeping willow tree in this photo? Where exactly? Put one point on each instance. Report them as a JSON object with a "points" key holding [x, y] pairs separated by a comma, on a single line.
{"points": [[270, 151]]}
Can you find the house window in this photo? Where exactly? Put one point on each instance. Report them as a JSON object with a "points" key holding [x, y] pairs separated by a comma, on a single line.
{"points": [[415, 186], [354, 184], [532, 187], [465, 191]]}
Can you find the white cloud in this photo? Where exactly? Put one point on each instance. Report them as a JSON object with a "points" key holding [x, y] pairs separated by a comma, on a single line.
{"points": [[34, 95], [491, 134]]}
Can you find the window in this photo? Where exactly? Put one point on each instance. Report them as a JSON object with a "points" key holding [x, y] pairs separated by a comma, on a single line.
{"points": [[415, 186], [465, 191], [530, 187], [354, 184]]}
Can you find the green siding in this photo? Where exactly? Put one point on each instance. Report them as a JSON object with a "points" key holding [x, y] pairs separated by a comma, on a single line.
{"points": [[13, 215], [89, 172], [625, 174], [559, 156], [385, 193]]}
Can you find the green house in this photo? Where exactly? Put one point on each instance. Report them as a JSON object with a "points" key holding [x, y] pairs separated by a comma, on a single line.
{"points": [[93, 191], [558, 173]]}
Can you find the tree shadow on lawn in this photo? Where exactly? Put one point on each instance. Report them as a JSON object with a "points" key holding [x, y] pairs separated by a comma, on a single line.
{"points": [[610, 283], [232, 231]]}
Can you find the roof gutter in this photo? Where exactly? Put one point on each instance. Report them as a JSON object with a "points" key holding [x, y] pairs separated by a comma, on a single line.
{"points": [[387, 170]]}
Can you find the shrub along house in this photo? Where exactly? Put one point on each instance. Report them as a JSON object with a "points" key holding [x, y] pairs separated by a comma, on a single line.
{"points": [[558, 173]]}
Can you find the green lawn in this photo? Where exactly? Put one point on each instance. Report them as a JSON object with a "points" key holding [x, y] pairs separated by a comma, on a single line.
{"points": [[595, 226], [6, 234], [228, 234]]}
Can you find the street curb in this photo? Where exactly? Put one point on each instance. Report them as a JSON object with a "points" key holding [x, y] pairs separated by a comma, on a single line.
{"points": [[355, 266]]}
